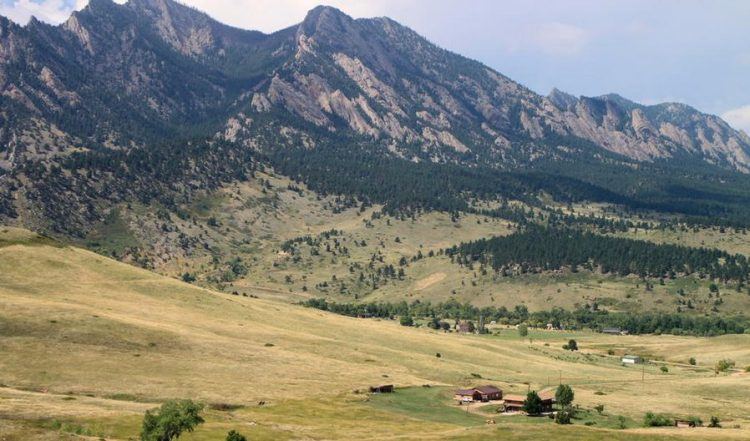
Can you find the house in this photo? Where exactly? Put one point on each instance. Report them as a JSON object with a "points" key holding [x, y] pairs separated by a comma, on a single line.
{"points": [[467, 395], [382, 389], [481, 393], [514, 403], [465, 327], [612, 331], [489, 393], [631, 359]]}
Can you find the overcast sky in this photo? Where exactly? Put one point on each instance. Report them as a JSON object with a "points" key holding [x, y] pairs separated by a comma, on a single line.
{"points": [[692, 51]]}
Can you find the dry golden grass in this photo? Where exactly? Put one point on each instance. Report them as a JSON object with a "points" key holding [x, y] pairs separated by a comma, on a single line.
{"points": [[91, 343]]}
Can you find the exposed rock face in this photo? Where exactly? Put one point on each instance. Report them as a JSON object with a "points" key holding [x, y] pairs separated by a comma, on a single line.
{"points": [[150, 69]]}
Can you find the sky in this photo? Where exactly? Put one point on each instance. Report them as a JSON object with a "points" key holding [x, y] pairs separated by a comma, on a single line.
{"points": [[691, 51]]}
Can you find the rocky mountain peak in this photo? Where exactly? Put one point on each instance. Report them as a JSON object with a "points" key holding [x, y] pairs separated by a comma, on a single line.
{"points": [[562, 100]]}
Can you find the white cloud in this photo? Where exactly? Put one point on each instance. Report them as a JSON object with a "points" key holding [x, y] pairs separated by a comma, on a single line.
{"points": [[50, 11], [738, 118], [560, 38], [262, 15]]}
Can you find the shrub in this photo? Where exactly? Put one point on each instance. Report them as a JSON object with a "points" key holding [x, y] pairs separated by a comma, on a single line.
{"points": [[621, 422], [564, 415], [172, 418], [235, 436], [664, 369], [724, 365], [599, 408], [695, 421], [572, 345], [523, 330], [406, 320], [692, 361], [564, 395], [714, 422], [656, 420]]}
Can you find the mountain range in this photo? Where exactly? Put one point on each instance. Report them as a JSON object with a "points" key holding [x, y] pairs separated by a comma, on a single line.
{"points": [[77, 99]]}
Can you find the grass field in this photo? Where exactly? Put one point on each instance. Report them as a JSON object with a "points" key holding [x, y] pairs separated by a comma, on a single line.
{"points": [[88, 344]]}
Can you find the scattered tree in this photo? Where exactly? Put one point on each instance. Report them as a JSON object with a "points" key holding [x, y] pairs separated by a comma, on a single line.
{"points": [[523, 330], [172, 418], [564, 395], [533, 403]]}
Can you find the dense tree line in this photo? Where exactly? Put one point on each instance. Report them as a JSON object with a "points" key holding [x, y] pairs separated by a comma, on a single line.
{"points": [[581, 318], [540, 248]]}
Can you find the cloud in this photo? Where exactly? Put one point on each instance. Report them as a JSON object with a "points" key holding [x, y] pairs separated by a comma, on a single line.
{"points": [[560, 39], [262, 15], [50, 11], [738, 118]]}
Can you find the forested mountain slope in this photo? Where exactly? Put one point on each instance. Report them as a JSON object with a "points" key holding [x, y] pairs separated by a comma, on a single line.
{"points": [[348, 106]]}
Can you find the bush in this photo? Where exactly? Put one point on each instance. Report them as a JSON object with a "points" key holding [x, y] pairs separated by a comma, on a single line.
{"points": [[714, 422], [599, 408], [172, 418], [406, 320], [564, 395], [656, 420], [564, 415], [664, 369], [523, 330], [692, 361], [571, 346], [724, 365], [695, 421], [235, 436]]}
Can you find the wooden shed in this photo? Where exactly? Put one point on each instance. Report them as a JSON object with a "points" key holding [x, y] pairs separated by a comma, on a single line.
{"points": [[382, 389]]}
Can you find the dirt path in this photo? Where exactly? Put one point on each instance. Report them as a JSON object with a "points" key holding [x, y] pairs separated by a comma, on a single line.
{"points": [[428, 281]]}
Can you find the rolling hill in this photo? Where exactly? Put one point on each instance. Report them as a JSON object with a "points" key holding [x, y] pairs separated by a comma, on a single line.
{"points": [[90, 343]]}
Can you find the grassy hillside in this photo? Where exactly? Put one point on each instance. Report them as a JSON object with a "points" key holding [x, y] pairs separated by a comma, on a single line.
{"points": [[276, 239], [88, 344]]}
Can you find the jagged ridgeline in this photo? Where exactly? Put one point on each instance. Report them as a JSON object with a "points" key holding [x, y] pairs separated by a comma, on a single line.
{"points": [[364, 108], [542, 249]]}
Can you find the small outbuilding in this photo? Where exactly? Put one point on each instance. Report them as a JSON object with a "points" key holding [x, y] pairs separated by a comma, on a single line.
{"points": [[382, 389], [631, 359]]}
